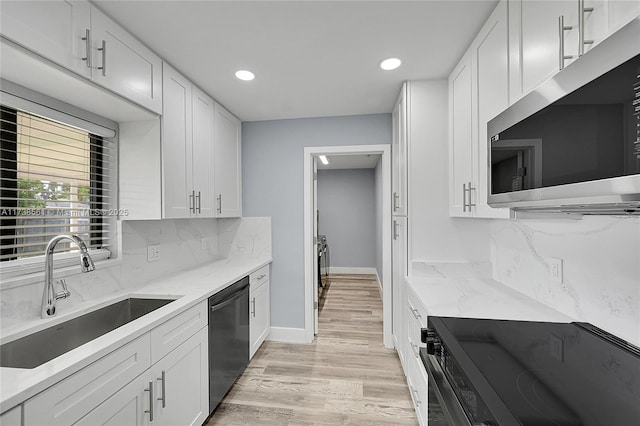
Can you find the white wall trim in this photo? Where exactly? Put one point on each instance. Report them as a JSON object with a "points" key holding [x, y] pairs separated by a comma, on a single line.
{"points": [[288, 335], [352, 270], [309, 247], [379, 285]]}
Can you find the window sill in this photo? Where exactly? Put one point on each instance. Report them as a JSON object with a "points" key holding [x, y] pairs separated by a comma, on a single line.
{"points": [[65, 265]]}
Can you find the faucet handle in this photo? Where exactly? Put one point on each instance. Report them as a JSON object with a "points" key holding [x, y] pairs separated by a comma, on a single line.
{"points": [[65, 290]]}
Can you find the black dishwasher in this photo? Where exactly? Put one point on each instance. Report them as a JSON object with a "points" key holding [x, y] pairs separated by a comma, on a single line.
{"points": [[228, 339]]}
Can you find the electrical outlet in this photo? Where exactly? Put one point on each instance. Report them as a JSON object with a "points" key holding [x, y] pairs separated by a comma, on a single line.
{"points": [[555, 267], [204, 243], [153, 253]]}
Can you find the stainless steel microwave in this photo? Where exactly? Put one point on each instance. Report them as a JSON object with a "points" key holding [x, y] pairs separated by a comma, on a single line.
{"points": [[573, 144]]}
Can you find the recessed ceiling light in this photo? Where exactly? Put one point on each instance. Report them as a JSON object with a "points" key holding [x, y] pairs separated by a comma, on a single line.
{"points": [[390, 64], [324, 159], [245, 75]]}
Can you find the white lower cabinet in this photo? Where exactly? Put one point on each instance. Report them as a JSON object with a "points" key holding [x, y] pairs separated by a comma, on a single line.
{"points": [[173, 392], [181, 382], [416, 320], [128, 386], [71, 399], [12, 417], [259, 308]]}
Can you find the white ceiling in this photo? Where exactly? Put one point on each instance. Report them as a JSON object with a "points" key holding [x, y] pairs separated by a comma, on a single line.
{"points": [[350, 161], [311, 58]]}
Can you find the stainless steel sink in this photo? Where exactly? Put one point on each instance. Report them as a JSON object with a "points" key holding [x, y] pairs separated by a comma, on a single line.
{"points": [[38, 348]]}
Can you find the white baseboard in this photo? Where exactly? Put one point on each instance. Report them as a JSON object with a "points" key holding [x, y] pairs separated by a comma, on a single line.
{"points": [[379, 285], [288, 335], [351, 270]]}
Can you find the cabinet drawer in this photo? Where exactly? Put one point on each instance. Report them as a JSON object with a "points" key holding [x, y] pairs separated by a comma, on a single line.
{"points": [[173, 332], [69, 400], [259, 276]]}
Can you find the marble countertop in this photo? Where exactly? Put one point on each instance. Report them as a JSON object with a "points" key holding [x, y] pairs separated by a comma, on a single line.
{"points": [[467, 290], [189, 287]]}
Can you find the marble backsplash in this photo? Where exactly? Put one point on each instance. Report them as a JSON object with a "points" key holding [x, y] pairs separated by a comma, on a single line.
{"points": [[601, 267], [184, 244]]}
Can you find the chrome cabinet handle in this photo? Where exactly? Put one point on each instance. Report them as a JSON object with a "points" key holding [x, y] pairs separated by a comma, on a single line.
{"points": [[561, 29], [414, 391], [415, 349], [219, 198], [253, 307], [464, 198], [199, 198], [415, 313], [103, 49], [261, 276], [192, 202], [581, 12], [395, 230], [163, 398], [87, 47], [469, 191], [151, 401], [396, 204]]}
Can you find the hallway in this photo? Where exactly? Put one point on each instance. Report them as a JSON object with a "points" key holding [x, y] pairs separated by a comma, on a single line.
{"points": [[345, 376]]}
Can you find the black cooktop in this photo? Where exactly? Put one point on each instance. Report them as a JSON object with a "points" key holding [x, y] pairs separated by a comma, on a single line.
{"points": [[543, 373]]}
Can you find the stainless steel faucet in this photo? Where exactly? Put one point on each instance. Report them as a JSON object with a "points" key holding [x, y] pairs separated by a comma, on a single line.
{"points": [[49, 295]]}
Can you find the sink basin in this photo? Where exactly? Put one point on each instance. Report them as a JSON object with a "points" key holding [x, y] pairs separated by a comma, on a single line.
{"points": [[37, 348]]}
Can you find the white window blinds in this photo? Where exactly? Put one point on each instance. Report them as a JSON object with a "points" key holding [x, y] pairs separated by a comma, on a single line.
{"points": [[54, 180]]}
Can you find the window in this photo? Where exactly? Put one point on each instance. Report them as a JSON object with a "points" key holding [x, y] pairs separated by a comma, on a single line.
{"points": [[54, 180]]}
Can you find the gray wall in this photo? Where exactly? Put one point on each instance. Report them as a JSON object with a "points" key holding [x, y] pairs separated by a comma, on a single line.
{"points": [[346, 201], [272, 181], [378, 219]]}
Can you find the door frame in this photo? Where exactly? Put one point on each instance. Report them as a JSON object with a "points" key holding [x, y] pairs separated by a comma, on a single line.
{"points": [[310, 153]]}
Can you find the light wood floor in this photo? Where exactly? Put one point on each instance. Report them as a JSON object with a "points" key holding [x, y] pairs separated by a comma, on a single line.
{"points": [[346, 376]]}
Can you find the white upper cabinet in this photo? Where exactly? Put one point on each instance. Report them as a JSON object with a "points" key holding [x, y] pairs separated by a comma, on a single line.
{"points": [[202, 153], [478, 91], [539, 48], [79, 37], [399, 154], [227, 164], [491, 82], [177, 199], [56, 30], [461, 98], [187, 148], [124, 65]]}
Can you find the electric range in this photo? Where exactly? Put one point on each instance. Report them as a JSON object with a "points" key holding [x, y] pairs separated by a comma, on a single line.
{"points": [[502, 372]]}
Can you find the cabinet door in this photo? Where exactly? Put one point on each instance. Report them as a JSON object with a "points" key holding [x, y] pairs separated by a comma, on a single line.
{"points": [[129, 406], [491, 78], [181, 379], [259, 315], [399, 260], [399, 154], [53, 29], [540, 39], [203, 174], [227, 164], [177, 200], [12, 417], [621, 12], [124, 65], [461, 100]]}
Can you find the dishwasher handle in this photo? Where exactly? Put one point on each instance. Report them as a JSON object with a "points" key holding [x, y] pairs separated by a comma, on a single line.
{"points": [[229, 299]]}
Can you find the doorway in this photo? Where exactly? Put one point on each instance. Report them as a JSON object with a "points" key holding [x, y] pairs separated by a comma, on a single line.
{"points": [[383, 228]]}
